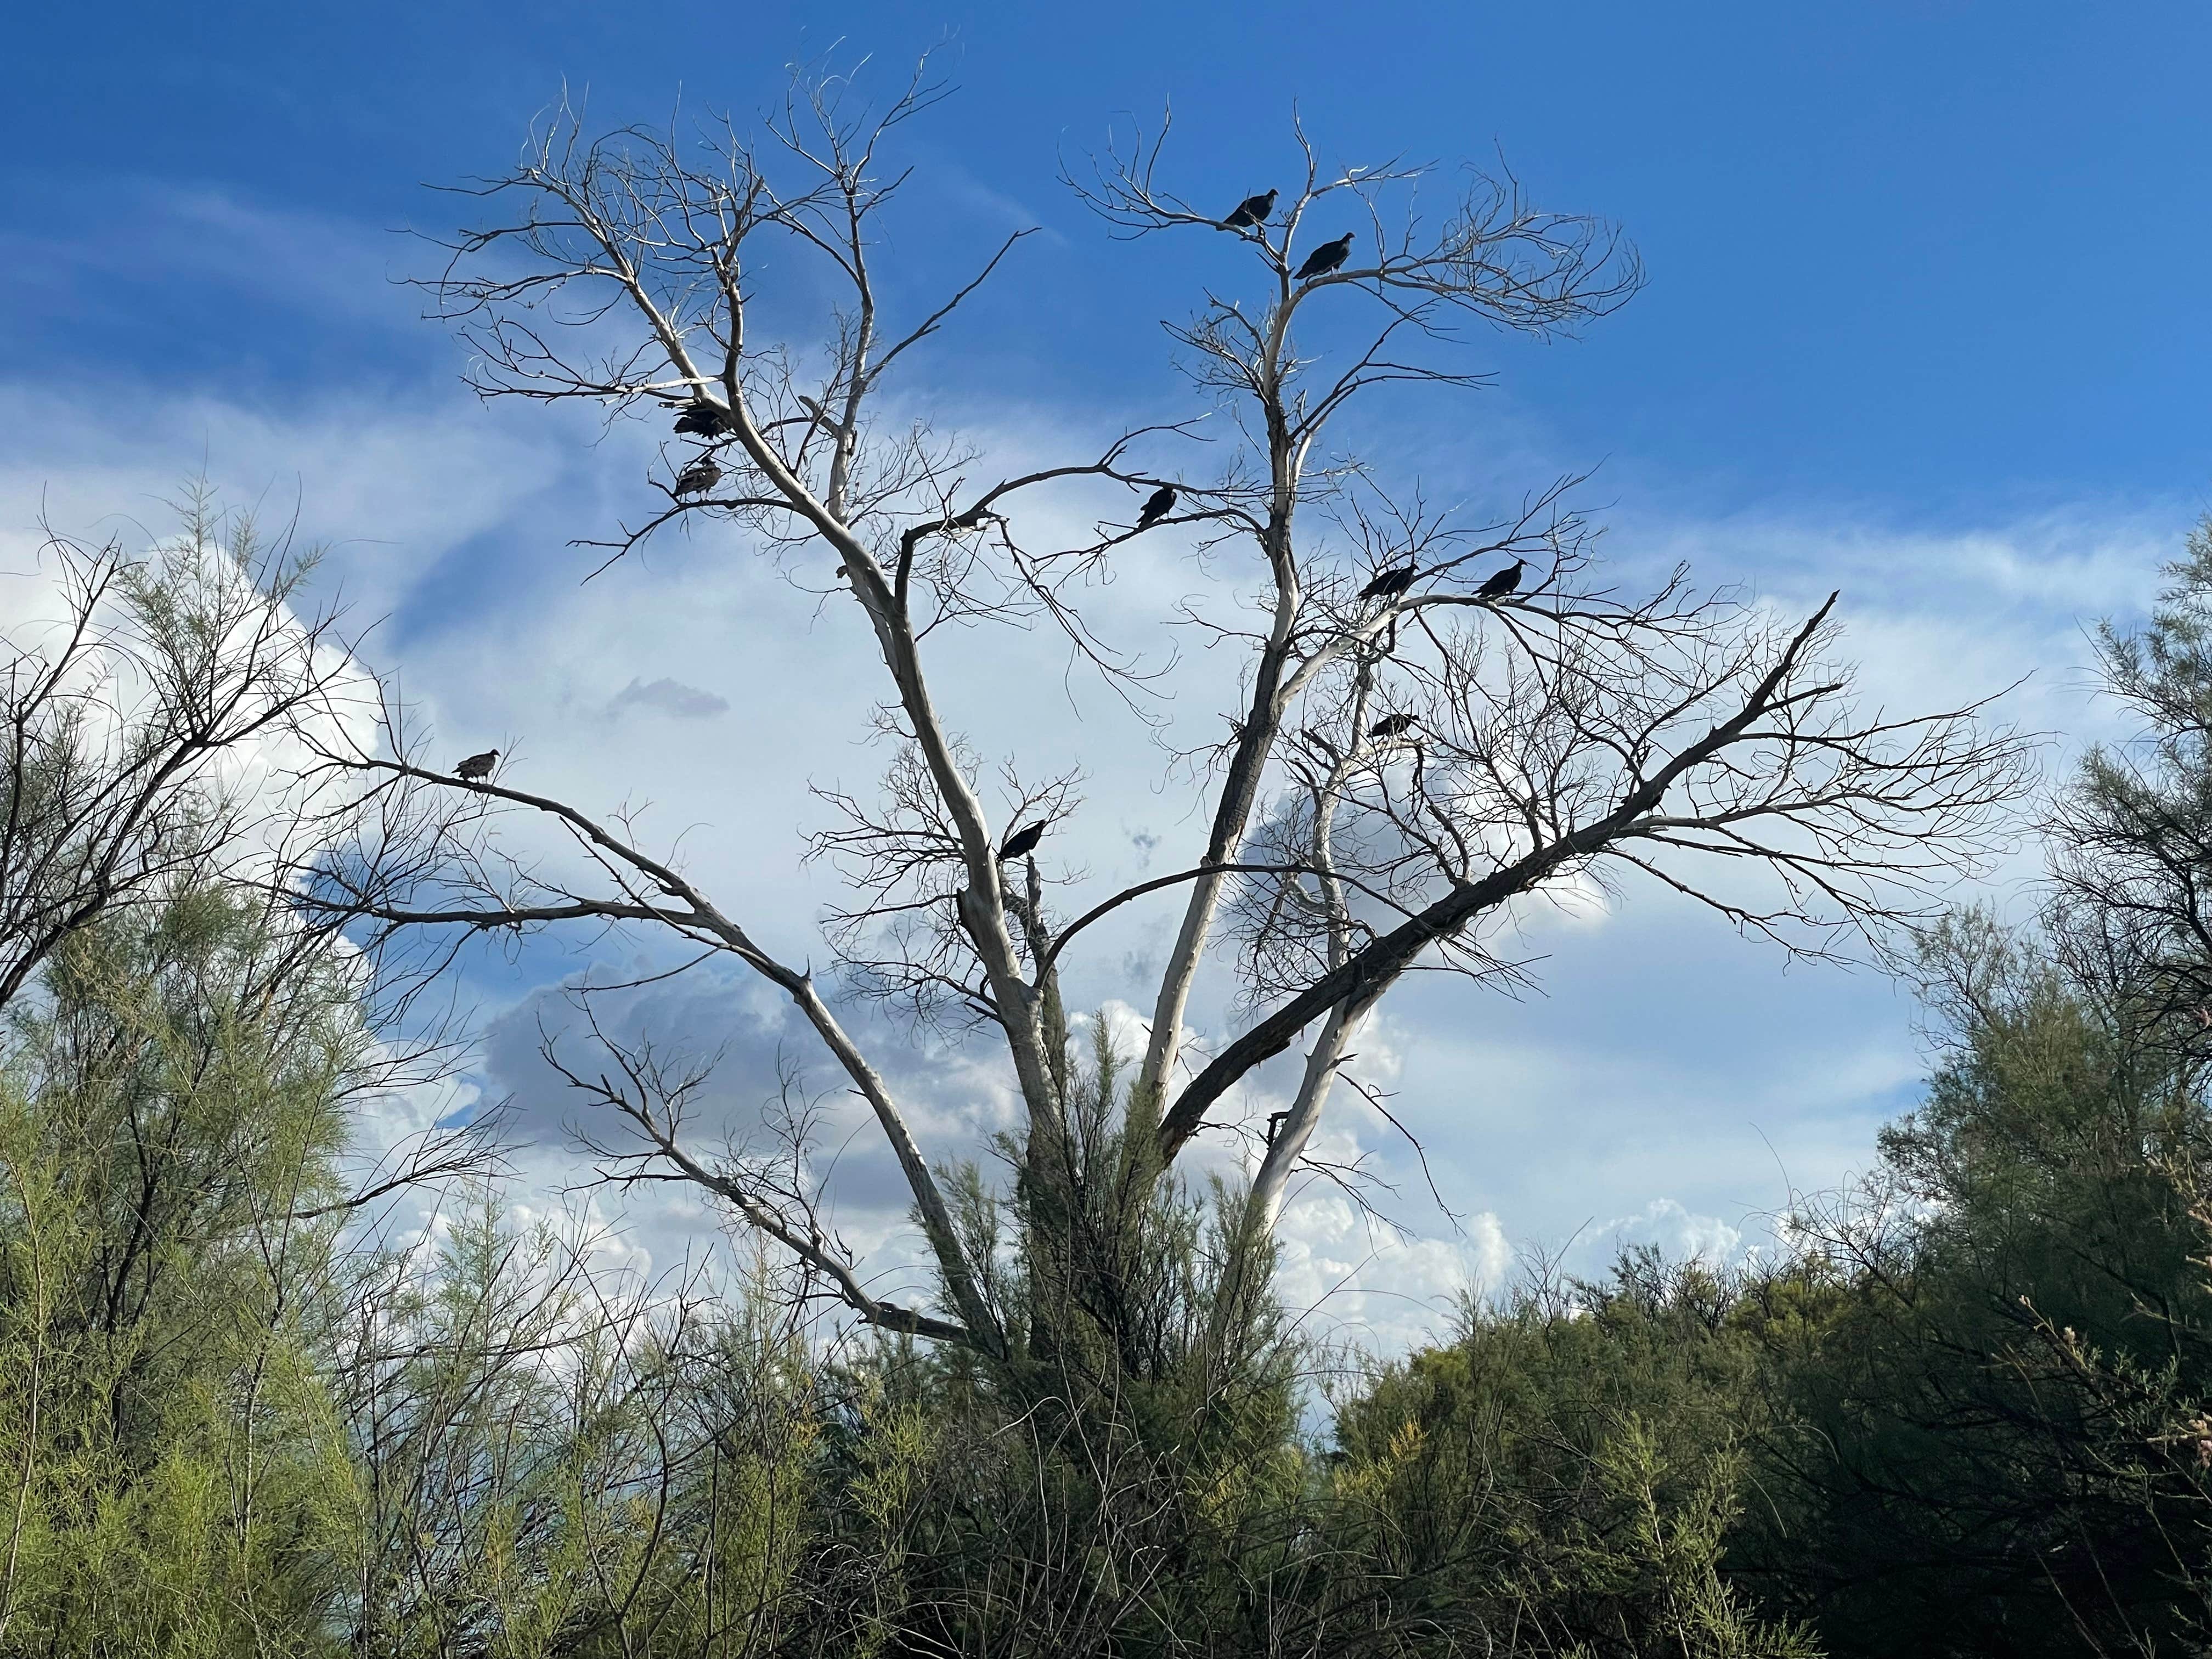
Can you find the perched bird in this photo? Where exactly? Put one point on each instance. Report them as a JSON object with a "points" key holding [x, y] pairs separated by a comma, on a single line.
{"points": [[1158, 506], [696, 479], [476, 767], [1390, 584], [1325, 258], [707, 420], [1252, 211], [1393, 726], [1022, 842], [1503, 583]]}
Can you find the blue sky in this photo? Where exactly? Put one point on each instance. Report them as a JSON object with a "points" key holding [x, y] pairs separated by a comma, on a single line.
{"points": [[1941, 257], [1926, 320]]}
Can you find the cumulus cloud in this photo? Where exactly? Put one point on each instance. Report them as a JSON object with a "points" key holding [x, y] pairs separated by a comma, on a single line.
{"points": [[1678, 1233]]}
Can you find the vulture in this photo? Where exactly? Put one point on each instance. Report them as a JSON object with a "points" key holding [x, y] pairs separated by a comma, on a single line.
{"points": [[706, 420], [1022, 842], [1503, 583], [476, 767], [1390, 583], [1158, 506], [1325, 258], [1393, 726], [1252, 211], [696, 479]]}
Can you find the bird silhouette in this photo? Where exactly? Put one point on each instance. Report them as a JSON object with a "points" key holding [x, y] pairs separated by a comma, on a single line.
{"points": [[1393, 726], [1022, 842], [1252, 211], [707, 420], [476, 767], [1158, 506], [1390, 584], [696, 479], [1503, 583], [1325, 258]]}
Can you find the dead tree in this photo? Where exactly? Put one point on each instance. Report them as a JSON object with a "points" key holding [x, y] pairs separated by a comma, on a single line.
{"points": [[1413, 762]]}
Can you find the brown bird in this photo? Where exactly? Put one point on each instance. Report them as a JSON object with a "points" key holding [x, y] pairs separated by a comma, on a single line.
{"points": [[1325, 258], [1390, 583], [1158, 506], [1393, 726], [476, 767], [1503, 582], [1022, 842], [696, 479], [707, 420], [1252, 211]]}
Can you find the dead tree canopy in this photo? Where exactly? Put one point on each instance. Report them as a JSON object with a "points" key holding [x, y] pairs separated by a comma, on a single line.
{"points": [[1456, 757]]}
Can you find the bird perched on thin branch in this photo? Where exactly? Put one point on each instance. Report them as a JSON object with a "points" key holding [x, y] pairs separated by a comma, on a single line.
{"points": [[696, 479], [1393, 726], [1503, 582], [476, 767], [1252, 211], [1390, 583], [1158, 506], [1021, 842], [707, 420], [1325, 258]]}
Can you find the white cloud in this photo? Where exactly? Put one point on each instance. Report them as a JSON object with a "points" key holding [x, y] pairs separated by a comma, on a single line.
{"points": [[1680, 1235]]}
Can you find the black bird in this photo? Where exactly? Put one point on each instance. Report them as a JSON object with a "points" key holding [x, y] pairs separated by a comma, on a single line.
{"points": [[1252, 211], [1503, 583], [1391, 583], [696, 479], [1158, 506], [476, 767], [1393, 726], [707, 420], [1022, 842], [1325, 258]]}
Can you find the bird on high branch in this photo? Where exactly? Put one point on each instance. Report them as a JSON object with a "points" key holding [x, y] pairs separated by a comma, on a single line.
{"points": [[1503, 582], [476, 767], [706, 420], [1252, 211], [1328, 257], [1158, 506], [696, 479], [1021, 842], [1390, 583], [1393, 726]]}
